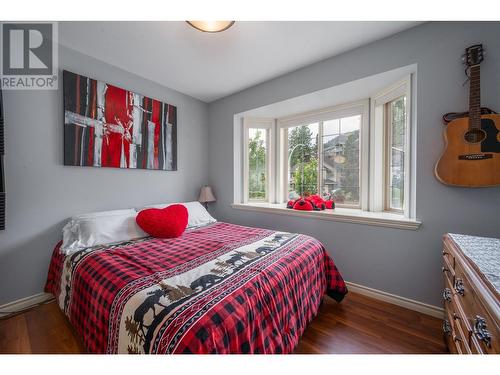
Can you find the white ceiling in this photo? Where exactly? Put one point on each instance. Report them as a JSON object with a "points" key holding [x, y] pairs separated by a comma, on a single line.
{"points": [[211, 66]]}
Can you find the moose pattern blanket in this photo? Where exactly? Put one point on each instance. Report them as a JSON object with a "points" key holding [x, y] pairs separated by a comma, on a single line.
{"points": [[222, 288]]}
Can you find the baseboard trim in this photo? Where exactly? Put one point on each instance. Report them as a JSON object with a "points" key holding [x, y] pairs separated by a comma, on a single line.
{"points": [[410, 304], [24, 304]]}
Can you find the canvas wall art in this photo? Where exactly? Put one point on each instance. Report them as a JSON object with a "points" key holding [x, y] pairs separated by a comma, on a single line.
{"points": [[107, 126]]}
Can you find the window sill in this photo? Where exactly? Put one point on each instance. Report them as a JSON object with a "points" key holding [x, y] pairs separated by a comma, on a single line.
{"points": [[346, 215]]}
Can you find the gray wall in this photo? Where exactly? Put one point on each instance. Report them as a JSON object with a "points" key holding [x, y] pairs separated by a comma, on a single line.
{"points": [[42, 193], [406, 263]]}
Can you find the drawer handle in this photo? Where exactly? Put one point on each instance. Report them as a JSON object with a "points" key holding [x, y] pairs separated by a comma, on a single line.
{"points": [[446, 327], [459, 286], [447, 294], [456, 338], [481, 331], [444, 269]]}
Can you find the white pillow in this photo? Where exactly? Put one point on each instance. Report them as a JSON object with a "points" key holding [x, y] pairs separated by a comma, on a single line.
{"points": [[100, 228], [197, 214]]}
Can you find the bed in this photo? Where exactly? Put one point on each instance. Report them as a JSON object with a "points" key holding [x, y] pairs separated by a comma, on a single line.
{"points": [[221, 288]]}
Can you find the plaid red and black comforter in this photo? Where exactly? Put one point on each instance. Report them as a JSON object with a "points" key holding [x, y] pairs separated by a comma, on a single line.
{"points": [[222, 288]]}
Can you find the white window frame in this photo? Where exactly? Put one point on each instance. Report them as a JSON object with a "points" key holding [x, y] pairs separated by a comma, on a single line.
{"points": [[379, 147], [388, 155], [373, 147], [269, 125], [345, 110]]}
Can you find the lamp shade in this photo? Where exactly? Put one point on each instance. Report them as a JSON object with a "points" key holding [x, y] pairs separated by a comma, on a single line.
{"points": [[206, 194]]}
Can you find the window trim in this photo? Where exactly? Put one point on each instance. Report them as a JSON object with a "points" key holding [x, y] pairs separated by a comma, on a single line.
{"points": [[345, 215], [387, 159], [360, 107], [379, 148], [259, 123]]}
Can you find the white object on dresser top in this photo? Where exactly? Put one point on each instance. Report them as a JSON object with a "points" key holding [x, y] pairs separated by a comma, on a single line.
{"points": [[484, 252], [100, 228], [197, 214]]}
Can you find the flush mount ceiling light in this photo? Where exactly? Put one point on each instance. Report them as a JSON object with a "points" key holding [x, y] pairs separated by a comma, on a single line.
{"points": [[211, 26]]}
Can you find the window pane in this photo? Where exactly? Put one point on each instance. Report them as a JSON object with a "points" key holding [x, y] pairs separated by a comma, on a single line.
{"points": [[340, 169], [397, 153], [257, 168], [302, 160], [331, 127]]}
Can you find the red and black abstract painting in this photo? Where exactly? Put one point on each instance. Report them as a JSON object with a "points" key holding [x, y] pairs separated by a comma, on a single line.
{"points": [[107, 126]]}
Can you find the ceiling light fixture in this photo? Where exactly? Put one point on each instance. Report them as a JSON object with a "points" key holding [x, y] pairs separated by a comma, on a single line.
{"points": [[211, 26]]}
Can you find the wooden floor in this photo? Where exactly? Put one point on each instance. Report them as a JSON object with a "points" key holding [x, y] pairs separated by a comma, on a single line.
{"points": [[362, 325], [357, 325]]}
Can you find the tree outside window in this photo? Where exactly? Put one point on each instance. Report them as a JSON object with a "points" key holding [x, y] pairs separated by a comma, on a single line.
{"points": [[257, 169], [302, 160]]}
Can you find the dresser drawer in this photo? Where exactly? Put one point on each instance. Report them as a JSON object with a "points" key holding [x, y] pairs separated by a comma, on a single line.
{"points": [[448, 288], [448, 335], [448, 256], [454, 337], [454, 314], [483, 327], [460, 338], [475, 347], [447, 269], [460, 320], [470, 297]]}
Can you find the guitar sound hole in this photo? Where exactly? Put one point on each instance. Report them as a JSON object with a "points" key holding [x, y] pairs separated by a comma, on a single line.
{"points": [[474, 136]]}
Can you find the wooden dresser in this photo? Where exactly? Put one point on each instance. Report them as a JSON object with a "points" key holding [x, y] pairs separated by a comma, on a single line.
{"points": [[471, 273]]}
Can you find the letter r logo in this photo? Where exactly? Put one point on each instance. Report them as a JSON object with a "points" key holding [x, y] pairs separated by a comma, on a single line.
{"points": [[27, 49]]}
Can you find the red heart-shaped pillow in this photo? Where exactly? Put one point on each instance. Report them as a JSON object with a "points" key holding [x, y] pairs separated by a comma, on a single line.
{"points": [[168, 222]]}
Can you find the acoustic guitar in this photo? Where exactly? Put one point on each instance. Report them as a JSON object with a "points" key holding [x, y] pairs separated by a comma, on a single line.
{"points": [[471, 157]]}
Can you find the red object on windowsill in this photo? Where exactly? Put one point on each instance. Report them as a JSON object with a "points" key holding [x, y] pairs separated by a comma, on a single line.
{"points": [[168, 222], [311, 203]]}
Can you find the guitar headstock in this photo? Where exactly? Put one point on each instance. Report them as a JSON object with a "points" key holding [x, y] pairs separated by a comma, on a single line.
{"points": [[474, 55]]}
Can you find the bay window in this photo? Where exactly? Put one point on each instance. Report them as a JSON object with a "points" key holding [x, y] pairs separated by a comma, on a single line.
{"points": [[357, 153]]}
